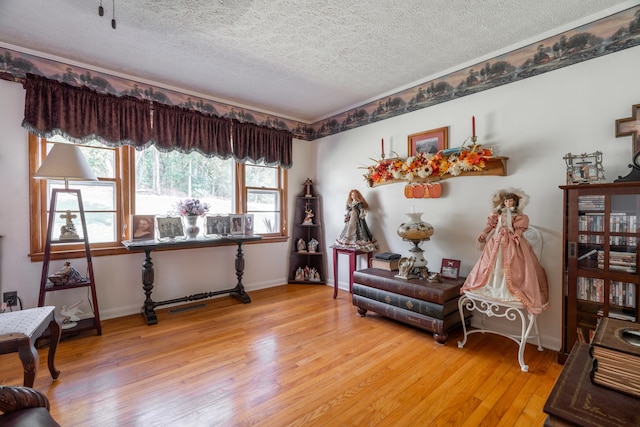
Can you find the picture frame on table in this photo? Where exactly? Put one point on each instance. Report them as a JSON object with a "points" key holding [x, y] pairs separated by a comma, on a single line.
{"points": [[219, 225], [143, 227], [450, 268], [169, 227], [237, 224], [248, 224], [429, 142]]}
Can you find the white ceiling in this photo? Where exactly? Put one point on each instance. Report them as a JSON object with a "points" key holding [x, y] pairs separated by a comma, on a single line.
{"points": [[304, 60]]}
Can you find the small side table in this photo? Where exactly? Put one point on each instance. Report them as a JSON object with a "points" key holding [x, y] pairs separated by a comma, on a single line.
{"points": [[353, 254]]}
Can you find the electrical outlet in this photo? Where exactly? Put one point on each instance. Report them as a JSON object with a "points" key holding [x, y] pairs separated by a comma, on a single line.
{"points": [[11, 298]]}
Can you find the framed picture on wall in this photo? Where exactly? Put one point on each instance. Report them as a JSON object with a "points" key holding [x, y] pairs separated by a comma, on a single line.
{"points": [[143, 227], [429, 142], [237, 224], [450, 268], [169, 227]]}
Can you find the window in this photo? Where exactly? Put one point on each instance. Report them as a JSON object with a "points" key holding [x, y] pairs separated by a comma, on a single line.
{"points": [[151, 182], [263, 197]]}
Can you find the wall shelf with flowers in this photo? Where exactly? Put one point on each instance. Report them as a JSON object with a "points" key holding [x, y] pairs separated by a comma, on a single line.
{"points": [[425, 167]]}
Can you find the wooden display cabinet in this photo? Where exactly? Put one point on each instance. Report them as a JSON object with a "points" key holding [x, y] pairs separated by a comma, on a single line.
{"points": [[600, 258]]}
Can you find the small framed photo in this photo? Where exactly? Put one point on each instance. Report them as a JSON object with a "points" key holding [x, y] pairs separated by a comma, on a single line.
{"points": [[143, 227], [169, 227], [450, 268], [237, 224], [429, 142], [217, 224], [248, 224]]}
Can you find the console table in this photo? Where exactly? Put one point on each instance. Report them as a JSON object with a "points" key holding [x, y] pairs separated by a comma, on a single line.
{"points": [[148, 309], [575, 400], [432, 306]]}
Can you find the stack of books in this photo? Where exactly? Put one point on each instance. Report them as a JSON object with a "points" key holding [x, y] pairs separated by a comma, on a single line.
{"points": [[615, 349], [385, 261]]}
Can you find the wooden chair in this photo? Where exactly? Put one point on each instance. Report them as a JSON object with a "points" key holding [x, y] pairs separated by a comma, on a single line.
{"points": [[511, 310], [18, 332]]}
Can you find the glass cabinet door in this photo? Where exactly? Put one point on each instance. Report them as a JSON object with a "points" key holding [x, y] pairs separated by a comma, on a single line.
{"points": [[591, 228], [607, 258]]}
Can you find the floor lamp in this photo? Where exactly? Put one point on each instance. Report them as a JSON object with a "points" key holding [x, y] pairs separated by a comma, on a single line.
{"points": [[65, 162]]}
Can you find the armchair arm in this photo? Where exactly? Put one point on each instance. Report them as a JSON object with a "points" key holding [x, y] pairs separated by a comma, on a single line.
{"points": [[13, 398]]}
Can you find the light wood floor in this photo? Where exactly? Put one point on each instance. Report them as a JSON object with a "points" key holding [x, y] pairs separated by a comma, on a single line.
{"points": [[292, 357]]}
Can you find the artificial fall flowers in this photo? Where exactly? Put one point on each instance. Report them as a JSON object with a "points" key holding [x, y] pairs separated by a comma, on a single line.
{"points": [[423, 165], [192, 207]]}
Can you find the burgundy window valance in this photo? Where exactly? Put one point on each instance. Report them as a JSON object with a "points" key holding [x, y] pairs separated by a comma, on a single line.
{"points": [[257, 143], [189, 130], [82, 114]]}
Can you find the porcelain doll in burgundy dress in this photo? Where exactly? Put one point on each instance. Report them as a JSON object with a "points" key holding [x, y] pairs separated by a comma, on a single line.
{"points": [[508, 268]]}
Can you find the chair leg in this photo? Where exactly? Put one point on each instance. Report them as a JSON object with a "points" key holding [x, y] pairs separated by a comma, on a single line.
{"points": [[30, 360], [461, 303], [54, 332], [534, 319]]}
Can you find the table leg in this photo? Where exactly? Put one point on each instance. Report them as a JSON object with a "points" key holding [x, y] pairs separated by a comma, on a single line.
{"points": [[335, 273], [54, 337], [148, 310], [352, 267], [238, 292]]}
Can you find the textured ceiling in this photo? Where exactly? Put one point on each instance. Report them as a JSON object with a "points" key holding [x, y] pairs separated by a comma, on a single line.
{"points": [[300, 59]]}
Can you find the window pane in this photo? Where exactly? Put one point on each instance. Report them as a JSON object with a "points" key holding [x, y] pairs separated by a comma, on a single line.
{"points": [[101, 159], [266, 222], [98, 199], [265, 205], [162, 179], [101, 226], [261, 176], [262, 201], [98, 196]]}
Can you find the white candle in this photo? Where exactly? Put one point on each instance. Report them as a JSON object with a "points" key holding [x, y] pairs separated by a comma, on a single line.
{"points": [[413, 209]]}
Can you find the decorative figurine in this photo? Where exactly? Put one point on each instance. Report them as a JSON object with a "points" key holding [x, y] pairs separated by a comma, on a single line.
{"points": [[67, 275], [313, 245], [302, 246], [508, 268], [314, 276], [300, 274], [356, 234], [405, 265], [308, 219], [70, 315], [307, 188], [68, 231]]}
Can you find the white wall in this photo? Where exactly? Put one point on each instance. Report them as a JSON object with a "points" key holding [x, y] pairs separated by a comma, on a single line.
{"points": [[534, 122], [118, 278]]}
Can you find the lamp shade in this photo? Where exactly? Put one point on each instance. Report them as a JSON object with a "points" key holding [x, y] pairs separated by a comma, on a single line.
{"points": [[65, 161]]}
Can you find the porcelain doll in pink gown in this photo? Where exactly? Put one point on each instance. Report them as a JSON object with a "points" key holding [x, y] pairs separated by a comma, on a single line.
{"points": [[508, 268]]}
